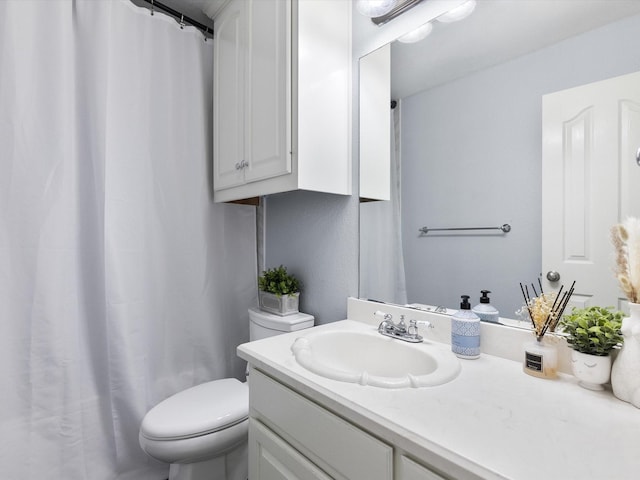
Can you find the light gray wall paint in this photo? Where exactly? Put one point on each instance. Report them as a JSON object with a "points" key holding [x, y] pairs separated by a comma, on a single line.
{"points": [[472, 156], [316, 236]]}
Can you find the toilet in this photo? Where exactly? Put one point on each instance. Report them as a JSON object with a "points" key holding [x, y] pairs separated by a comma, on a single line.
{"points": [[202, 431]]}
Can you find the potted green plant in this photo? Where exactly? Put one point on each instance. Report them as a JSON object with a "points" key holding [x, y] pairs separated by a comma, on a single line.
{"points": [[592, 333], [279, 291]]}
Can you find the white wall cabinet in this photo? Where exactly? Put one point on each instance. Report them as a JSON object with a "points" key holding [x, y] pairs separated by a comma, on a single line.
{"points": [[282, 98], [292, 437]]}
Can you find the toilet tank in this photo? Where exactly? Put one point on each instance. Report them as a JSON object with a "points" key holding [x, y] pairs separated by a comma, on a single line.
{"points": [[264, 324]]}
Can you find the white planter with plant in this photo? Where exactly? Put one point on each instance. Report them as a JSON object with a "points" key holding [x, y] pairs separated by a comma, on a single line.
{"points": [[625, 377], [279, 291], [592, 333]]}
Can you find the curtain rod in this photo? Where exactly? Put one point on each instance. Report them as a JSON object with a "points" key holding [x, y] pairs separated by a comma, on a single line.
{"points": [[183, 18]]}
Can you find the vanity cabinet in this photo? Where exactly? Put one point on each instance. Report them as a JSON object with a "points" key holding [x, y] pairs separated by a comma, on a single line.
{"points": [[282, 98], [293, 437]]}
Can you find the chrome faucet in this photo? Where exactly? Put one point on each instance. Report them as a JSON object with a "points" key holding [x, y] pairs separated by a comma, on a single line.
{"points": [[400, 330]]}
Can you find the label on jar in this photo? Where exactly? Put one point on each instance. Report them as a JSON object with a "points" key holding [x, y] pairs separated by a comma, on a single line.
{"points": [[533, 361], [465, 338]]}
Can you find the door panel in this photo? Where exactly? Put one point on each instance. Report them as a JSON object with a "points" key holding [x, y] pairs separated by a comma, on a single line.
{"points": [[228, 114], [271, 458], [590, 177], [268, 90]]}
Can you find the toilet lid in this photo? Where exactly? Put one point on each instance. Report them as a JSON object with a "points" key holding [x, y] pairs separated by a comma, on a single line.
{"points": [[199, 410], [287, 323]]}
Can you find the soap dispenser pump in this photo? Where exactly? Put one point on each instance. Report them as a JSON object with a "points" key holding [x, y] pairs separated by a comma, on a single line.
{"points": [[465, 331], [486, 311]]}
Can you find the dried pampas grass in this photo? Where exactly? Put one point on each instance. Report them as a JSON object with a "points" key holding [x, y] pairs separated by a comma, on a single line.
{"points": [[626, 240]]}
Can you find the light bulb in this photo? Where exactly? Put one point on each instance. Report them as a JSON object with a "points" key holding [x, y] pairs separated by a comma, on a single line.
{"points": [[375, 8], [417, 34], [458, 13]]}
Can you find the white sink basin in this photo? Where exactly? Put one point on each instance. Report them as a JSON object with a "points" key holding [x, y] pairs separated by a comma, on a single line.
{"points": [[369, 358]]}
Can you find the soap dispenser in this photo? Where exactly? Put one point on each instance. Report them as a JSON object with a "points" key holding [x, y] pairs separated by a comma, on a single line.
{"points": [[465, 331], [486, 311]]}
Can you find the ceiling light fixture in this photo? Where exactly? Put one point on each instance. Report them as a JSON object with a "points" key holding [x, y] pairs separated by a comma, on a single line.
{"points": [[375, 8], [417, 34], [458, 13], [400, 7]]}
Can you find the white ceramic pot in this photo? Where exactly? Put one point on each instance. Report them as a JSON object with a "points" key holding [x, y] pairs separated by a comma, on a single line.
{"points": [[625, 380], [592, 371], [280, 305]]}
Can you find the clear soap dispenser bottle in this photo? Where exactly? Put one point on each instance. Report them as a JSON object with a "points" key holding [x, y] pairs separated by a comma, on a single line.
{"points": [[465, 331], [486, 311]]}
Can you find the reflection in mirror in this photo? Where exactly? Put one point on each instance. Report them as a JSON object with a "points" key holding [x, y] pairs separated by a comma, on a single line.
{"points": [[375, 97], [469, 146]]}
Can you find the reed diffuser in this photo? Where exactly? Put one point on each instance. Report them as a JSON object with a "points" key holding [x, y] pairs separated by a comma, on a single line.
{"points": [[545, 311]]}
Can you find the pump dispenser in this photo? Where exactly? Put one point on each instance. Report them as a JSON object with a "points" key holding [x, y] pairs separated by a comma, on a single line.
{"points": [[465, 331], [486, 311]]}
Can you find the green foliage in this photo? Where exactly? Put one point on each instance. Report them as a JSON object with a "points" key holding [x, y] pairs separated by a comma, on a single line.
{"points": [[593, 330], [278, 281]]}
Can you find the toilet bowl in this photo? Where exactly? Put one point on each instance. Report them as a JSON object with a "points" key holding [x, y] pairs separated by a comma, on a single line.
{"points": [[202, 431]]}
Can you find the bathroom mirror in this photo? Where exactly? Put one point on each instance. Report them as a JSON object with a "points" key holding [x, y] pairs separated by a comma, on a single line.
{"points": [[470, 116]]}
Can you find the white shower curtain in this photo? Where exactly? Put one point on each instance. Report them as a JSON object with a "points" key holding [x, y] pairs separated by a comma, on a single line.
{"points": [[382, 274], [121, 282]]}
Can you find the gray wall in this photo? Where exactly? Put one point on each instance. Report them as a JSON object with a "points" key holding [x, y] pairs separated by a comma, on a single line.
{"points": [[316, 236], [472, 156]]}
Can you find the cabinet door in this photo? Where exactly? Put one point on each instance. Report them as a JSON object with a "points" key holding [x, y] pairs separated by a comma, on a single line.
{"points": [[228, 104], [340, 448], [271, 458], [410, 470], [268, 89]]}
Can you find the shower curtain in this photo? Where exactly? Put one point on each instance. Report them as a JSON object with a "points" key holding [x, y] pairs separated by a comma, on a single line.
{"points": [[382, 274], [121, 282]]}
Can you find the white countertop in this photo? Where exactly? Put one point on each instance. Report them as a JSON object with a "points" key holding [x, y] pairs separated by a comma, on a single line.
{"points": [[493, 420]]}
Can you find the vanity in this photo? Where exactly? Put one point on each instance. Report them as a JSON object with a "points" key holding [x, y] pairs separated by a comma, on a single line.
{"points": [[491, 421]]}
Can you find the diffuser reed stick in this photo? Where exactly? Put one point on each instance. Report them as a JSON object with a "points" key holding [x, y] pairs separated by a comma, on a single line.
{"points": [[546, 309]]}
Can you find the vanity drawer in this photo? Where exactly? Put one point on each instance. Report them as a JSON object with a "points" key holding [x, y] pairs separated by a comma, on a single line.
{"points": [[335, 445], [410, 470]]}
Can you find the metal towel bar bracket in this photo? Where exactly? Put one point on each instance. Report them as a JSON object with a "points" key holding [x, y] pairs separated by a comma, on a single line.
{"points": [[506, 228]]}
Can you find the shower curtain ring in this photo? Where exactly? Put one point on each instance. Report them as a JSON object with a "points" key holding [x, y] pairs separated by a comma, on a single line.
{"points": [[152, 7], [182, 21]]}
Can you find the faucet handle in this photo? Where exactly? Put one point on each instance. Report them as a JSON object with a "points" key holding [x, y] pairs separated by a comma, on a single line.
{"points": [[401, 326], [383, 315], [413, 326]]}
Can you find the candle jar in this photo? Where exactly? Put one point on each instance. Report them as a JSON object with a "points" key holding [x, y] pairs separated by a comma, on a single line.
{"points": [[540, 359]]}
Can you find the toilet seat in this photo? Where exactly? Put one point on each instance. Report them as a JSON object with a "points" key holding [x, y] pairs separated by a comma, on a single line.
{"points": [[200, 410], [200, 422]]}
